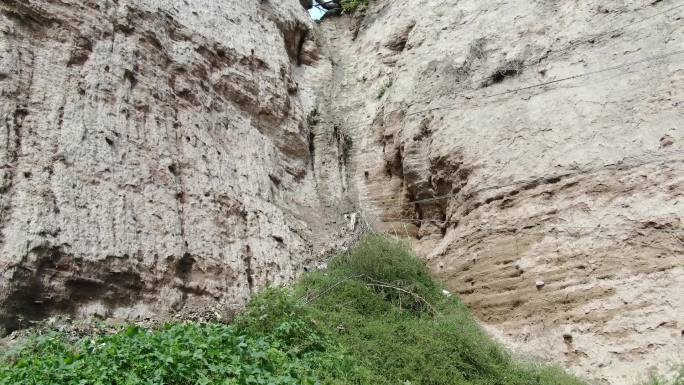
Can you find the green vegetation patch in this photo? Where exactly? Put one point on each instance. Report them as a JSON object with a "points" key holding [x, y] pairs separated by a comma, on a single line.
{"points": [[352, 5], [676, 377], [383, 89], [177, 354], [375, 317]]}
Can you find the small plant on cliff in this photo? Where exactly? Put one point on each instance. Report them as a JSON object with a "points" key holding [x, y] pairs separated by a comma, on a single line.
{"points": [[676, 378], [383, 88], [375, 317], [350, 6]]}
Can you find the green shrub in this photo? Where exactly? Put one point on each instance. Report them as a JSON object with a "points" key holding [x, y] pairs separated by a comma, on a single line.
{"points": [[375, 317], [401, 344], [350, 6], [392, 271], [382, 259]]}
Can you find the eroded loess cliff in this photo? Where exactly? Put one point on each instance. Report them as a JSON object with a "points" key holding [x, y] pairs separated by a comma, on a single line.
{"points": [[155, 156], [165, 157], [532, 151]]}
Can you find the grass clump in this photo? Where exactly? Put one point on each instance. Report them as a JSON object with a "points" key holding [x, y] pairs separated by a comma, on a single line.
{"points": [[350, 6], [383, 89], [677, 377], [375, 317]]}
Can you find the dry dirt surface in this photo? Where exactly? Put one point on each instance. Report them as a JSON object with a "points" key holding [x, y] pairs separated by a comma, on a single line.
{"points": [[532, 151]]}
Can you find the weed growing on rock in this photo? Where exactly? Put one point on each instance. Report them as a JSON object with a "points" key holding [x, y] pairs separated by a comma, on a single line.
{"points": [[677, 377], [383, 89], [350, 6]]}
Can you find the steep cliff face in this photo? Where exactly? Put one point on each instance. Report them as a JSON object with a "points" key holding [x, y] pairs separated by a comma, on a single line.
{"points": [[161, 157], [156, 156], [532, 151]]}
